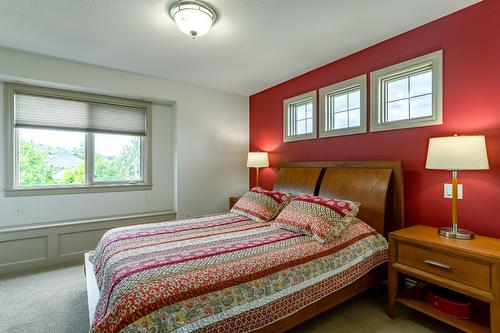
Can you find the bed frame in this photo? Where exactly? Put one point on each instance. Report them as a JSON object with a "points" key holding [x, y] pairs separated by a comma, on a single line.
{"points": [[378, 185]]}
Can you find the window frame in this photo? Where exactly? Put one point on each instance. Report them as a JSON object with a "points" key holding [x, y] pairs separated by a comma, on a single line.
{"points": [[340, 87], [12, 187], [286, 116], [377, 92]]}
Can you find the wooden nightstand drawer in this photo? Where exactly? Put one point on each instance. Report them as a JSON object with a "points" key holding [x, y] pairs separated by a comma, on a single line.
{"points": [[454, 268]]}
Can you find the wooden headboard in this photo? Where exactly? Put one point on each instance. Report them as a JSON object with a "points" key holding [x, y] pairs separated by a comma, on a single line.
{"points": [[377, 185], [298, 180]]}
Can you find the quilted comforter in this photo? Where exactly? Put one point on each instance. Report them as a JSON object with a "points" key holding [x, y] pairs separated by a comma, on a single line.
{"points": [[223, 273]]}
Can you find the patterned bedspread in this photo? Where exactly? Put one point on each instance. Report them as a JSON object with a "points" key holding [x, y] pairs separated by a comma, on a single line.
{"points": [[223, 273]]}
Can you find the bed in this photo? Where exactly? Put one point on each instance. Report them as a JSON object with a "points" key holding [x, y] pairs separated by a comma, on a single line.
{"points": [[227, 273]]}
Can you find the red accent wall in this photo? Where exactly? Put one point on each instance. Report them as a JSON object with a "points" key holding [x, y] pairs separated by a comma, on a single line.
{"points": [[470, 40]]}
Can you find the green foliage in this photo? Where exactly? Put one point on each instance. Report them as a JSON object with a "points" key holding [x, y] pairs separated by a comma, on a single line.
{"points": [[33, 166], [104, 168], [126, 166], [128, 163], [75, 175]]}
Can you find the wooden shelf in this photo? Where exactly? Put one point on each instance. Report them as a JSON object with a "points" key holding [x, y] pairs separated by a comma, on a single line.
{"points": [[414, 298]]}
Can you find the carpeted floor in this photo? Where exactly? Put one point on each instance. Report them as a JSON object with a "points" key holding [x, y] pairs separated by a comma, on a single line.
{"points": [[55, 301]]}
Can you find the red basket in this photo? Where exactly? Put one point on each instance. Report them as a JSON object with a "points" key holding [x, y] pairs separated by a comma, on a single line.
{"points": [[448, 302]]}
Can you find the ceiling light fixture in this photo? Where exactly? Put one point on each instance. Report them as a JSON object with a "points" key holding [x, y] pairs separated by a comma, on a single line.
{"points": [[194, 18]]}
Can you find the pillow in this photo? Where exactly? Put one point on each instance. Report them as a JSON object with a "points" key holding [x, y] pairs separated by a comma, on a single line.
{"points": [[261, 205], [316, 216]]}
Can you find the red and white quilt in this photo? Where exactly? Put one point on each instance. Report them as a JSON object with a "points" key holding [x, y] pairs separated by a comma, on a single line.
{"points": [[222, 273]]}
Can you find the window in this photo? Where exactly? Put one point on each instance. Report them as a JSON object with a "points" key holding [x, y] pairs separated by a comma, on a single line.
{"points": [[50, 158], [343, 108], [300, 117], [71, 142], [117, 158], [408, 94]]}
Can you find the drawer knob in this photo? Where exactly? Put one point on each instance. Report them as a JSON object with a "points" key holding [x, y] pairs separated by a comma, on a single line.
{"points": [[437, 264]]}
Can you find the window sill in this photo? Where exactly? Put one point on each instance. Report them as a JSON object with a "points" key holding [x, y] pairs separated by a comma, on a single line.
{"points": [[77, 190], [341, 132], [402, 124], [300, 137]]}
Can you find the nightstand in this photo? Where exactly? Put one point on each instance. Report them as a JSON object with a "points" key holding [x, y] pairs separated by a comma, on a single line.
{"points": [[232, 201], [470, 267]]}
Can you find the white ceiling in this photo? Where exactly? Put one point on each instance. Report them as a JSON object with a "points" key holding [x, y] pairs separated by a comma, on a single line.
{"points": [[255, 44]]}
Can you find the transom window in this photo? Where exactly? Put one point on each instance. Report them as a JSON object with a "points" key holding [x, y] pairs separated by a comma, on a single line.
{"points": [[64, 140], [343, 108], [300, 117], [407, 94]]}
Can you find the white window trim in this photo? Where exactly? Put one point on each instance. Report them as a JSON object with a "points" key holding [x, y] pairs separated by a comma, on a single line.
{"points": [[434, 59], [293, 100], [11, 158], [338, 87]]}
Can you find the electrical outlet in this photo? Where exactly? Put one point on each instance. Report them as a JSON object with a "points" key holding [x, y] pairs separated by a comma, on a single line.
{"points": [[447, 191]]}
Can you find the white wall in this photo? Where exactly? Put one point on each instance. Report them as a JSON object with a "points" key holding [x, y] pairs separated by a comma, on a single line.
{"points": [[199, 143]]}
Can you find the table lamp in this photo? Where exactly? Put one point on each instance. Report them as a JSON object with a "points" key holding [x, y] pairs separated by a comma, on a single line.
{"points": [[257, 160], [466, 152]]}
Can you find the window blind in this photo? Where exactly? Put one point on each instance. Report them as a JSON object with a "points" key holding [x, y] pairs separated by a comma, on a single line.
{"points": [[58, 113]]}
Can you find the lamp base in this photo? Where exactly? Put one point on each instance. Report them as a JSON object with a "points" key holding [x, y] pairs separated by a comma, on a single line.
{"points": [[457, 233]]}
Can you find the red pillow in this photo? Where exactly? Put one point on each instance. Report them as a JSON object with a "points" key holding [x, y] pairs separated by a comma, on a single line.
{"points": [[261, 205], [320, 217]]}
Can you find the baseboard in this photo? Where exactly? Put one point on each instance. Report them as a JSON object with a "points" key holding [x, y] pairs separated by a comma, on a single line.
{"points": [[42, 245]]}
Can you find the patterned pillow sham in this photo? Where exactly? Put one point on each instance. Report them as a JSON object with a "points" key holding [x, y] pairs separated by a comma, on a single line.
{"points": [[319, 217], [261, 205]]}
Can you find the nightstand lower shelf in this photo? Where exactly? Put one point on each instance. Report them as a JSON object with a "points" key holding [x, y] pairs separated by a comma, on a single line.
{"points": [[413, 299]]}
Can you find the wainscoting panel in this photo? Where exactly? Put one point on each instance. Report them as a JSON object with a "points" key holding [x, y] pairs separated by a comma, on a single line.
{"points": [[23, 251], [76, 243], [40, 245]]}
